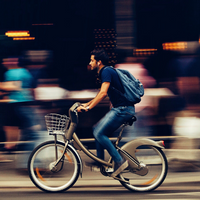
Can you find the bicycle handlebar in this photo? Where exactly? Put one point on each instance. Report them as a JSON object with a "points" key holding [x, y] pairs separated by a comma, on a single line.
{"points": [[73, 114]]}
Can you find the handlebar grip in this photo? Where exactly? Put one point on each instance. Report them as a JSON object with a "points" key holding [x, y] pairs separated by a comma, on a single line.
{"points": [[75, 106], [73, 113]]}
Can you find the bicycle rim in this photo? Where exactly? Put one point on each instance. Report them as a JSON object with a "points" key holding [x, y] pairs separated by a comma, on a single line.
{"points": [[40, 167], [156, 163]]}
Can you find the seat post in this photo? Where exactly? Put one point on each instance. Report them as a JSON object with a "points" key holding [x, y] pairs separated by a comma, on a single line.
{"points": [[120, 135]]}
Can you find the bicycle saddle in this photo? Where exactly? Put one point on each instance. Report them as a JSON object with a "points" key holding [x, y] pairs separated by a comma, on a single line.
{"points": [[130, 122]]}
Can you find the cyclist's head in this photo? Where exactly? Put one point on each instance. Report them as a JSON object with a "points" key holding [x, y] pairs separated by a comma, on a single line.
{"points": [[100, 55]]}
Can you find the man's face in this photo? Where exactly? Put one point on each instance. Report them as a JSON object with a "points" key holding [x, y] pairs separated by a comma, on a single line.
{"points": [[93, 62]]}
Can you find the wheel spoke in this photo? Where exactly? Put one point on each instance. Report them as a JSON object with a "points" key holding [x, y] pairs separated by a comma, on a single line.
{"points": [[68, 157], [150, 181], [38, 174]]}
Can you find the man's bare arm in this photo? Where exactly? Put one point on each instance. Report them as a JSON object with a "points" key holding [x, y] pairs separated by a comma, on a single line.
{"points": [[100, 96]]}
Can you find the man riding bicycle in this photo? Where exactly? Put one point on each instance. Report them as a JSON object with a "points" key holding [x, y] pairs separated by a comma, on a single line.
{"points": [[121, 112]]}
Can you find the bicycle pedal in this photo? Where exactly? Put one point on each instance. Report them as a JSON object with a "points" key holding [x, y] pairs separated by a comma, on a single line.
{"points": [[109, 170]]}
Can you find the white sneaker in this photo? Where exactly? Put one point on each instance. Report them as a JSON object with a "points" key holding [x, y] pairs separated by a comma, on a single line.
{"points": [[119, 167]]}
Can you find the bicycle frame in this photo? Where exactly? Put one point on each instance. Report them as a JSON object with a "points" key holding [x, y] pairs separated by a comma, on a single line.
{"points": [[127, 150], [78, 145]]}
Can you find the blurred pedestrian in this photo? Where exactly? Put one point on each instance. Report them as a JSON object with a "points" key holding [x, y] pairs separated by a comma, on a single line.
{"points": [[18, 82]]}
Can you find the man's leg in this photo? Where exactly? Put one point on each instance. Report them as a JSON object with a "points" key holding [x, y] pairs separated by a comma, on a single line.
{"points": [[113, 120], [106, 126], [100, 150]]}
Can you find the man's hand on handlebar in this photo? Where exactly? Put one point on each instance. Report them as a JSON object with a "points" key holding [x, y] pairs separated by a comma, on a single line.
{"points": [[81, 108]]}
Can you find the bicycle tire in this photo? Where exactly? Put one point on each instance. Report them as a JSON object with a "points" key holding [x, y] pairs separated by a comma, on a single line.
{"points": [[41, 174], [157, 165]]}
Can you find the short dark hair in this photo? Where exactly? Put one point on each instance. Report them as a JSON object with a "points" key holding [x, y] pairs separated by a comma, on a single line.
{"points": [[100, 55]]}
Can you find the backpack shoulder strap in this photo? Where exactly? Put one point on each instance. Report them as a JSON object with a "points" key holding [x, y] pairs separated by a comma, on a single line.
{"points": [[116, 90]]}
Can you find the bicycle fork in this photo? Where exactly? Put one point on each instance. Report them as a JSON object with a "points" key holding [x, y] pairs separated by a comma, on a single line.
{"points": [[58, 164]]}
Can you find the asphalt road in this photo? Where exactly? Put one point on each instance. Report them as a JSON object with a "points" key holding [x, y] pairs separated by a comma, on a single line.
{"points": [[172, 192], [15, 184]]}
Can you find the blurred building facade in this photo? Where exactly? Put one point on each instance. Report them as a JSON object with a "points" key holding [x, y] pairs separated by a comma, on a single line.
{"points": [[162, 36]]}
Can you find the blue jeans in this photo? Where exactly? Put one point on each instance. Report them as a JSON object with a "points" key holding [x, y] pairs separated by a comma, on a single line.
{"points": [[106, 126]]}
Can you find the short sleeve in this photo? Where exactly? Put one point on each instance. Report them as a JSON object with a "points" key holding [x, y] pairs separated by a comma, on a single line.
{"points": [[106, 76]]}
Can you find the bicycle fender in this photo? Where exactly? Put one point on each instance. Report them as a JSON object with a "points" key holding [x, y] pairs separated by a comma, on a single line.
{"points": [[78, 156], [131, 146]]}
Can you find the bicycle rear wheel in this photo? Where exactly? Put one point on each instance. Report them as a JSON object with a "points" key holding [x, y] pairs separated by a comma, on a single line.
{"points": [[156, 167], [41, 167]]}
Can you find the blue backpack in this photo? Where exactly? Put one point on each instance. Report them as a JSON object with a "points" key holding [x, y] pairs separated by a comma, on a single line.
{"points": [[133, 88]]}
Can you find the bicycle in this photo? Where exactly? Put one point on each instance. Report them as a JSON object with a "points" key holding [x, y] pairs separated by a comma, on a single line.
{"points": [[55, 165]]}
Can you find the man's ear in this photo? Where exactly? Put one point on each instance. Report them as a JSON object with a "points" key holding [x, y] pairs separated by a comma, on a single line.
{"points": [[99, 62]]}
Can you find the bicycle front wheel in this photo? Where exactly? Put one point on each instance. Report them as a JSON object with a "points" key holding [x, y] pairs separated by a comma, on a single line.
{"points": [[155, 170], [42, 170]]}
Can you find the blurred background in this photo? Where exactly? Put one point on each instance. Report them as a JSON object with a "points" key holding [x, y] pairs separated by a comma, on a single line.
{"points": [[157, 41]]}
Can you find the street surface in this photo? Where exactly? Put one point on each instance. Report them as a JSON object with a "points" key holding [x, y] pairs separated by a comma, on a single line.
{"points": [[16, 184], [173, 192]]}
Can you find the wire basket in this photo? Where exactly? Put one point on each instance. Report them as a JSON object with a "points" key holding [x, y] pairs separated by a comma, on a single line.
{"points": [[56, 123]]}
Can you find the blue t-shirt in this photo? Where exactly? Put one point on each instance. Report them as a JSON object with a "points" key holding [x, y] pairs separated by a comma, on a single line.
{"points": [[107, 74], [20, 74]]}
